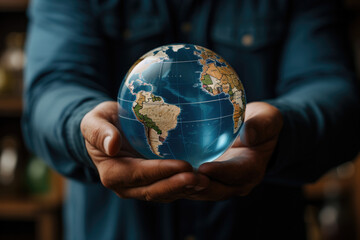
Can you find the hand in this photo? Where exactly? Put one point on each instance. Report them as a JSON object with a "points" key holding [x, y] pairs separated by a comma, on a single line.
{"points": [[243, 166], [123, 171]]}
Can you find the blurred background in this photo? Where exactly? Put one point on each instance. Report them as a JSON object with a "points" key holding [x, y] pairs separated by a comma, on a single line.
{"points": [[31, 194]]}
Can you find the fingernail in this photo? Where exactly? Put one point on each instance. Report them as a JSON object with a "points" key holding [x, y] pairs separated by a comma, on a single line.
{"points": [[199, 188], [189, 186], [106, 144]]}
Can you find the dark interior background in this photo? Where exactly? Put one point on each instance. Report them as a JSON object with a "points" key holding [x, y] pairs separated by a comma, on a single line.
{"points": [[31, 194]]}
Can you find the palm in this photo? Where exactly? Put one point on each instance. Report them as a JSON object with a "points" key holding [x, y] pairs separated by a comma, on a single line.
{"points": [[243, 165]]}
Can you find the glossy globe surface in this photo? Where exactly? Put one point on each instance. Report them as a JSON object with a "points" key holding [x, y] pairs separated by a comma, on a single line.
{"points": [[181, 101]]}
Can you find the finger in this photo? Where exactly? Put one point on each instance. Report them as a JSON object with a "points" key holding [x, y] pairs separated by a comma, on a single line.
{"points": [[237, 143], [237, 171], [262, 123], [166, 190], [135, 172], [98, 128], [217, 191]]}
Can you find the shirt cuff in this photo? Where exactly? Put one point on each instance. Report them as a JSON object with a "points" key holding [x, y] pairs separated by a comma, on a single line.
{"points": [[75, 139]]}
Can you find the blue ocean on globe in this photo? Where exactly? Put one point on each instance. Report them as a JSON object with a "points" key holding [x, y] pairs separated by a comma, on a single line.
{"points": [[181, 101]]}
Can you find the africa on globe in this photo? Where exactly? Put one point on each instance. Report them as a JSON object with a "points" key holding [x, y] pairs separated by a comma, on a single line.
{"points": [[181, 101]]}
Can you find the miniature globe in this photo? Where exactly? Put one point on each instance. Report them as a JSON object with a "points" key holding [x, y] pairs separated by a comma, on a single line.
{"points": [[181, 101]]}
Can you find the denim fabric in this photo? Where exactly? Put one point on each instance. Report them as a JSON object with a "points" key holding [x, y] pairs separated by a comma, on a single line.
{"points": [[291, 54]]}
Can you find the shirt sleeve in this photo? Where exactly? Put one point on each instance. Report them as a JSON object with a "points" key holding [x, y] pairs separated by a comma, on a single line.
{"points": [[64, 79], [318, 96]]}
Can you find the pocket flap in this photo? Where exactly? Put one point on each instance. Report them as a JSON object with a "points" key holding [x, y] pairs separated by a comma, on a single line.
{"points": [[249, 35]]}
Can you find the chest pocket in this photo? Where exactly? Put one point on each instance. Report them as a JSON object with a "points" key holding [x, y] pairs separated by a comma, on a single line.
{"points": [[249, 35], [253, 48], [132, 21]]}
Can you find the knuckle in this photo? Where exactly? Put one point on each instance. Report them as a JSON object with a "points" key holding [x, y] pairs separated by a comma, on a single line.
{"points": [[122, 194], [161, 168], [137, 177], [186, 167], [94, 136], [148, 196], [187, 178], [107, 182], [84, 124], [114, 118], [170, 190], [106, 176]]}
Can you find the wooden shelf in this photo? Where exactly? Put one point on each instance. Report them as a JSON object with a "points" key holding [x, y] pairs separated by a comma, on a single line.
{"points": [[21, 209], [43, 213], [328, 184], [10, 106], [13, 5], [41, 209]]}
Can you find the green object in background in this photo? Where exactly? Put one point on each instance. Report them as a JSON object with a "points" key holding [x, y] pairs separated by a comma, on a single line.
{"points": [[37, 176]]}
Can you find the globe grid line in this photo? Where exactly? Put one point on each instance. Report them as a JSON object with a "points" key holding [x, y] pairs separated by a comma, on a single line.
{"points": [[219, 129], [190, 121], [184, 103], [181, 124], [185, 61], [167, 144]]}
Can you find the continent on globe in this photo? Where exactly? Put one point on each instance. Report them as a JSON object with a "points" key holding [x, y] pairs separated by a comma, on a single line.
{"points": [[218, 77], [157, 117]]}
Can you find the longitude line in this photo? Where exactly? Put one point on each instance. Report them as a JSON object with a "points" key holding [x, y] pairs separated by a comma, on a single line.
{"points": [[219, 128], [160, 73], [181, 124]]}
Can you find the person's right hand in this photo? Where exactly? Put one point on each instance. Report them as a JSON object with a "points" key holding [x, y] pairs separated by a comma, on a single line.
{"points": [[123, 171]]}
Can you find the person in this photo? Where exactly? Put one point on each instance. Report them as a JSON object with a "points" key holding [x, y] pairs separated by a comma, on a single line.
{"points": [[302, 116]]}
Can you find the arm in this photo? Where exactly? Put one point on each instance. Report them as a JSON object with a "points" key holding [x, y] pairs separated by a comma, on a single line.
{"points": [[64, 79], [318, 96], [312, 125]]}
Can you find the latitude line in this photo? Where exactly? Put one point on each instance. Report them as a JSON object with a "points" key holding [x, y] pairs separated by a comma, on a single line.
{"points": [[202, 120], [185, 61], [185, 103]]}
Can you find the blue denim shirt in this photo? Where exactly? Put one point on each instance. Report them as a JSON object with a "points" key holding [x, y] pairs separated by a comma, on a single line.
{"points": [[289, 53]]}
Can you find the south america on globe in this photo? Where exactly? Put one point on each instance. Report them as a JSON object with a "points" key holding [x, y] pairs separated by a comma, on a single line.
{"points": [[181, 101]]}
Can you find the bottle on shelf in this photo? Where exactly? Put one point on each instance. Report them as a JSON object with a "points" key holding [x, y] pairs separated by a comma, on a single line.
{"points": [[10, 169], [12, 62], [37, 176]]}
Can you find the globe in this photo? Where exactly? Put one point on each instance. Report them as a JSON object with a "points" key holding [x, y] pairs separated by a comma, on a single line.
{"points": [[181, 101]]}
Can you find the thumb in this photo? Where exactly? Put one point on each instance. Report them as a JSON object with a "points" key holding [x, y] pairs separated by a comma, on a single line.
{"points": [[99, 130], [262, 123]]}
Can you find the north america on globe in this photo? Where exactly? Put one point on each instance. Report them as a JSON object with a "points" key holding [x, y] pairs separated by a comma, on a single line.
{"points": [[188, 101]]}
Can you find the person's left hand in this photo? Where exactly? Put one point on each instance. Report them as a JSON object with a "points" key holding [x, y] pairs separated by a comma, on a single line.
{"points": [[243, 165]]}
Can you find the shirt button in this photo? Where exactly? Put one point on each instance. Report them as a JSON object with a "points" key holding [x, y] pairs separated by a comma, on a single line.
{"points": [[190, 237], [247, 40], [127, 34], [186, 27]]}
